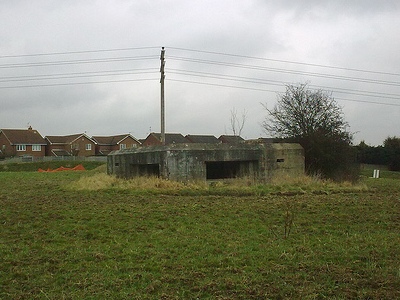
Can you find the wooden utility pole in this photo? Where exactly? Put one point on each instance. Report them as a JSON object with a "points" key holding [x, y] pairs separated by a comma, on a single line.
{"points": [[162, 96]]}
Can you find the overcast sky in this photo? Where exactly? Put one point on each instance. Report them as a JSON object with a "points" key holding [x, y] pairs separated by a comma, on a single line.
{"points": [[70, 67]]}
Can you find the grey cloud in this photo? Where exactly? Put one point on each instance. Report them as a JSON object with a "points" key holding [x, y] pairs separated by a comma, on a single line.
{"points": [[355, 34]]}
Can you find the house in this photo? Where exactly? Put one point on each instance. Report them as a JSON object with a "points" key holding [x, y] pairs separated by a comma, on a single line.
{"points": [[74, 145], [154, 139], [231, 139], [21, 142], [106, 144], [202, 139]]}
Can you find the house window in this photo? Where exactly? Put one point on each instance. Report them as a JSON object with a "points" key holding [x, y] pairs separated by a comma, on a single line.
{"points": [[36, 147], [122, 146], [21, 147], [88, 147]]}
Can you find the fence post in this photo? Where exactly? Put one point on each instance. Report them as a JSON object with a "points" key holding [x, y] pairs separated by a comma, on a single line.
{"points": [[376, 174]]}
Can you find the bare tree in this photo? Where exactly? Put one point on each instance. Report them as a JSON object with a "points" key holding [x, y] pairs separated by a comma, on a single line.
{"points": [[301, 112], [237, 123], [316, 121]]}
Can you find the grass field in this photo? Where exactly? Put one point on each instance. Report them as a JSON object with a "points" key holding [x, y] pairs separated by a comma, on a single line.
{"points": [[84, 235]]}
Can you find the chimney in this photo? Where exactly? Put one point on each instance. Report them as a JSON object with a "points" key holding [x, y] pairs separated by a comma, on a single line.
{"points": [[30, 127]]}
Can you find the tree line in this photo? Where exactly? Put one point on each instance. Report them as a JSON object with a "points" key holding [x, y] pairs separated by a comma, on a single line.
{"points": [[387, 154]]}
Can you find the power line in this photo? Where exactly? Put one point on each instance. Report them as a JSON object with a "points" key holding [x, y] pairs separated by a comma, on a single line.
{"points": [[288, 61], [369, 102], [197, 51], [280, 83], [251, 80], [254, 67], [223, 85], [77, 75], [78, 83], [174, 71], [78, 61], [193, 60], [274, 91], [79, 52]]}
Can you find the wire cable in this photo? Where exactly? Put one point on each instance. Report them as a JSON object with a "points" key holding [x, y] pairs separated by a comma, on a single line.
{"points": [[254, 67], [78, 83], [77, 75], [280, 83], [181, 72], [79, 52], [77, 61], [274, 91], [287, 61]]}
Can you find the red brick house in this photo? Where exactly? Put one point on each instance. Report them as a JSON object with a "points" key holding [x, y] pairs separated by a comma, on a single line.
{"points": [[106, 144], [170, 138], [74, 145], [21, 142]]}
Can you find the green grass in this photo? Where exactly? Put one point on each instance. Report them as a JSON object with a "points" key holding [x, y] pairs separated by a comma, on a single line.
{"points": [[233, 187], [382, 173], [59, 240]]}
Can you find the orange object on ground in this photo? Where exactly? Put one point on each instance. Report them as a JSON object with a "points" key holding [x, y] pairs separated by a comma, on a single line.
{"points": [[76, 168]]}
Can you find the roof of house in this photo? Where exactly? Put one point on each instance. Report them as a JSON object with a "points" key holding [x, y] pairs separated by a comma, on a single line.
{"points": [[204, 139], [112, 140], [66, 139], [23, 136], [231, 139], [171, 138]]}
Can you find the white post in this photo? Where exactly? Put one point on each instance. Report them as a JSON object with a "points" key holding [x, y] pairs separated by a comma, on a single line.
{"points": [[376, 174]]}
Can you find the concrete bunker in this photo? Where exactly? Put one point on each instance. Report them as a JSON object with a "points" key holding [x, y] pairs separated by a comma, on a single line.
{"points": [[185, 162]]}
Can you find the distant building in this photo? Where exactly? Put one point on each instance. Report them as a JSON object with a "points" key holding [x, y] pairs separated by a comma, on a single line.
{"points": [[170, 138], [106, 144], [21, 142], [70, 145]]}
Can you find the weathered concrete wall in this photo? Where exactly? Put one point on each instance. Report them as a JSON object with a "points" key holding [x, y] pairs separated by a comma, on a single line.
{"points": [[183, 162], [284, 159]]}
